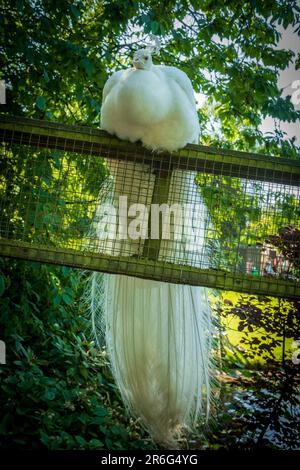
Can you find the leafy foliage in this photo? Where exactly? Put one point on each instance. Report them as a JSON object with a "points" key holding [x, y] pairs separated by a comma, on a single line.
{"points": [[56, 391], [257, 409], [245, 213], [48, 196], [266, 323], [258, 328], [57, 57], [288, 242]]}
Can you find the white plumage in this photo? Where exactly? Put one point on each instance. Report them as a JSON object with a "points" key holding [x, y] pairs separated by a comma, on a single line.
{"points": [[157, 334], [151, 103]]}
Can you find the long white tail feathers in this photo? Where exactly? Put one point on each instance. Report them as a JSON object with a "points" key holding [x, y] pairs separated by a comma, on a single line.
{"points": [[158, 336]]}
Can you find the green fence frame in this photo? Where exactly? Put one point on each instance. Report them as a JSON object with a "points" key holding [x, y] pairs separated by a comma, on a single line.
{"points": [[211, 160]]}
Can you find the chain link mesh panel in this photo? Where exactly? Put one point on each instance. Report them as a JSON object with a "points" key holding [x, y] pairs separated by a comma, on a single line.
{"points": [[77, 196]]}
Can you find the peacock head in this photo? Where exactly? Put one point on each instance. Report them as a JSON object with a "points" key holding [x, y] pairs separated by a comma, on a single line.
{"points": [[142, 59]]}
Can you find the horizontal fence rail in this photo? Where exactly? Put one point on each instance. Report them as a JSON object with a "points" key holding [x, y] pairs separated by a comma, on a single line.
{"points": [[54, 182], [93, 141]]}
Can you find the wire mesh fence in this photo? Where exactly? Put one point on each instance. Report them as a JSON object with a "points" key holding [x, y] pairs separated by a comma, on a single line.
{"points": [[77, 196]]}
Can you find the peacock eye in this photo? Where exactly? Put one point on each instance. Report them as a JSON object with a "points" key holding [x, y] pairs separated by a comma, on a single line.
{"points": [[146, 57]]}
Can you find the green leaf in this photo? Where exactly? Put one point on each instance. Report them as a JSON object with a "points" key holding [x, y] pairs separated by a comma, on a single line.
{"points": [[56, 300], [98, 420], [65, 271], [80, 440], [44, 438], [67, 298], [41, 102], [75, 12], [50, 394], [87, 65], [96, 443], [20, 6], [154, 27], [46, 76], [100, 411], [2, 284]]}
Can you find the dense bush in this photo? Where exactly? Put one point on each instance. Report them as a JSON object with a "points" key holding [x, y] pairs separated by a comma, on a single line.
{"points": [[56, 389]]}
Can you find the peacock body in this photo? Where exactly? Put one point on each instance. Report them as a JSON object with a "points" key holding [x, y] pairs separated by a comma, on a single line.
{"points": [[158, 334]]}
